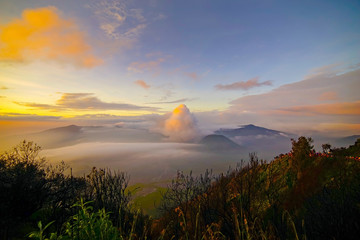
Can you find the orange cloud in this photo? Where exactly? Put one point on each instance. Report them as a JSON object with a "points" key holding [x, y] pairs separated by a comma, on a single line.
{"points": [[346, 108], [192, 75], [139, 67], [352, 127], [142, 84], [41, 34], [243, 85], [328, 96]]}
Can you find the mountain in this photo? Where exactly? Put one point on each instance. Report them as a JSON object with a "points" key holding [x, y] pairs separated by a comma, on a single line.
{"points": [[345, 141], [57, 137], [73, 134], [216, 142], [250, 130], [266, 142], [64, 130]]}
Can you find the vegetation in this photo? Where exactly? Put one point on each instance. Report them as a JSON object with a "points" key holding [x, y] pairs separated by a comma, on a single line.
{"points": [[298, 195]]}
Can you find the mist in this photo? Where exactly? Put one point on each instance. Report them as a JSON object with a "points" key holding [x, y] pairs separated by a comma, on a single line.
{"points": [[147, 162], [153, 149]]}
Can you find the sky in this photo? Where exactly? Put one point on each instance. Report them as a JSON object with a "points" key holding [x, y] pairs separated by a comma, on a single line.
{"points": [[287, 65]]}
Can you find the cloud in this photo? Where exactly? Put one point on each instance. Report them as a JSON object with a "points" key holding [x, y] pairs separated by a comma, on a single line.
{"points": [[192, 75], [167, 94], [300, 105], [139, 67], [28, 117], [118, 20], [145, 121], [328, 96], [85, 101], [42, 34], [3, 88], [251, 83], [345, 108], [175, 101], [160, 16], [351, 127], [180, 125], [142, 84], [134, 32], [325, 71], [305, 92]]}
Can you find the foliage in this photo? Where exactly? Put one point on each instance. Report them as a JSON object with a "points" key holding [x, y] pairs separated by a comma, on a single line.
{"points": [[301, 150], [108, 190], [89, 225], [23, 187], [184, 188], [299, 195], [32, 190], [85, 224]]}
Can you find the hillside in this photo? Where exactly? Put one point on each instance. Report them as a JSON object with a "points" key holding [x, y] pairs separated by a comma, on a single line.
{"points": [[302, 194]]}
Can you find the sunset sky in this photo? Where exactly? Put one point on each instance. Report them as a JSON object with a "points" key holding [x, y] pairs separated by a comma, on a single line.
{"points": [[287, 65]]}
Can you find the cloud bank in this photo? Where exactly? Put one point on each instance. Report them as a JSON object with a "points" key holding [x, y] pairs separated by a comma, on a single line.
{"points": [[142, 161], [41, 34], [85, 101], [327, 97]]}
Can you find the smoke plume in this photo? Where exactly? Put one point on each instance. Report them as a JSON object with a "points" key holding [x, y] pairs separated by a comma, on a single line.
{"points": [[180, 125]]}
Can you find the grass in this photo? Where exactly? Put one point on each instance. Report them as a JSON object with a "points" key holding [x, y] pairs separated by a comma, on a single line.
{"points": [[147, 196]]}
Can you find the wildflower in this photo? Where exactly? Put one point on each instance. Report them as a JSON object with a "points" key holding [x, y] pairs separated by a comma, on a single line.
{"points": [[179, 212]]}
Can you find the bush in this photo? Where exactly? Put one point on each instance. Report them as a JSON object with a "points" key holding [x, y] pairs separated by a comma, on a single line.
{"points": [[85, 224], [23, 187]]}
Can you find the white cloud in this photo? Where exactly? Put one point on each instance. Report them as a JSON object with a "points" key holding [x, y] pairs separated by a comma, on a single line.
{"points": [[118, 20]]}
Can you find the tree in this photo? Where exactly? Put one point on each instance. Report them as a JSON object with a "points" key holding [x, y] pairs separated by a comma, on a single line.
{"points": [[301, 150], [108, 189], [23, 186], [326, 147]]}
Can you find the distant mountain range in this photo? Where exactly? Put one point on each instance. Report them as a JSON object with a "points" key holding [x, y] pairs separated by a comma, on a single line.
{"points": [[248, 138]]}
